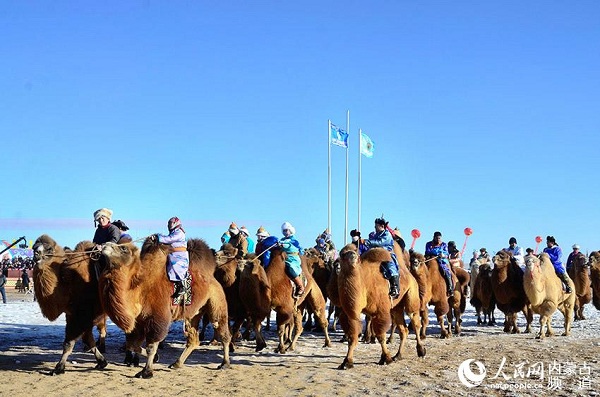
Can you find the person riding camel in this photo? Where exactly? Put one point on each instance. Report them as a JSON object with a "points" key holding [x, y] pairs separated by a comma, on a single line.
{"points": [[264, 241], [293, 264], [238, 240], [251, 243], [105, 231], [178, 261], [382, 237], [555, 254], [436, 247], [356, 240], [453, 254], [125, 237]]}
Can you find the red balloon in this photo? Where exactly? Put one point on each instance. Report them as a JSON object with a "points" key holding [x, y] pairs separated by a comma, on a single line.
{"points": [[415, 233], [468, 231], [538, 239]]}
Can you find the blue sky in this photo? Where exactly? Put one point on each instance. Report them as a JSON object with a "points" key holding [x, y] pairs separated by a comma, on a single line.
{"points": [[483, 115]]}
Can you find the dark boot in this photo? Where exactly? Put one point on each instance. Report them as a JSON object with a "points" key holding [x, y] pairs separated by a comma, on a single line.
{"points": [[449, 286], [394, 286], [565, 280], [178, 289]]}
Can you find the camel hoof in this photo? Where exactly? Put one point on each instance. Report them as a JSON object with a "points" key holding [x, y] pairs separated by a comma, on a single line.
{"points": [[144, 374], [59, 370], [224, 366], [101, 364], [565, 334], [260, 347], [175, 365], [539, 336], [421, 351], [346, 365], [327, 343]]}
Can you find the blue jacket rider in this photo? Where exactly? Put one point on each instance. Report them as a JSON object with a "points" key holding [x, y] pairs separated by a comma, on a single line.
{"points": [[437, 247], [381, 237]]}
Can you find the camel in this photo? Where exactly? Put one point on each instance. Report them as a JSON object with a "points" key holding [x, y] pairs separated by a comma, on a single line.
{"points": [[136, 295], [545, 293], [579, 273], [432, 291], [363, 290], [227, 273], [65, 282], [482, 296], [332, 293], [320, 265], [255, 295], [286, 307], [507, 285], [594, 261]]}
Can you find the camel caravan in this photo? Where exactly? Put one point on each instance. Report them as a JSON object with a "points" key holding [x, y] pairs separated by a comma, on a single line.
{"points": [[375, 287]]}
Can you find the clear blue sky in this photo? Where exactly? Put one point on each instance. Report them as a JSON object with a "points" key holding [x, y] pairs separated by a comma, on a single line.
{"points": [[484, 114]]}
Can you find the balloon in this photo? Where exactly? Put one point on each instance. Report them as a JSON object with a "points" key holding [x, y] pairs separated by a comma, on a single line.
{"points": [[415, 233], [468, 231], [538, 239]]}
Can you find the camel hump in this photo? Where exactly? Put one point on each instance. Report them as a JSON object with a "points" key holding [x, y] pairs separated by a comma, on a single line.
{"points": [[376, 255]]}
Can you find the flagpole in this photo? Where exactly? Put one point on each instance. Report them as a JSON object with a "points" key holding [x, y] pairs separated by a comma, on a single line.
{"points": [[329, 176], [347, 154], [359, 175]]}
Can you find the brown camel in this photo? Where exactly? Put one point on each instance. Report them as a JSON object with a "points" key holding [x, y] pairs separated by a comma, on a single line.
{"points": [[545, 293], [320, 265], [363, 290], [579, 273], [334, 298], [136, 295], [482, 295], [594, 261], [255, 294], [227, 273], [288, 314], [432, 291], [507, 284], [65, 282]]}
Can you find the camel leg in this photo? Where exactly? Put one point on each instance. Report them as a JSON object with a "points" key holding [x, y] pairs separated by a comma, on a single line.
{"points": [[443, 331], [148, 371], [393, 328], [543, 320], [223, 331], [528, 312], [352, 329], [260, 340], [296, 330], [424, 322], [89, 340], [192, 340], [415, 320], [320, 315], [458, 321], [317, 302], [67, 350], [385, 353], [400, 324], [101, 327], [283, 319]]}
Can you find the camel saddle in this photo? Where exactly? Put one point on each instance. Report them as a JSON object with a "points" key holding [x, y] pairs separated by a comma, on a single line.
{"points": [[186, 297]]}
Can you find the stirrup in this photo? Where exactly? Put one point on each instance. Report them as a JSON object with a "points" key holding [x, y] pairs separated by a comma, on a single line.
{"points": [[298, 293]]}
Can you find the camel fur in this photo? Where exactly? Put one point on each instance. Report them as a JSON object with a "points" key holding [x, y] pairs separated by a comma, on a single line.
{"points": [[507, 285], [545, 293], [65, 282], [432, 292], [482, 295], [136, 295], [289, 317], [363, 290], [579, 273], [594, 262]]}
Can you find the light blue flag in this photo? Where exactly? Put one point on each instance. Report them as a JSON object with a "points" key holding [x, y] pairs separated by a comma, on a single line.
{"points": [[338, 136], [367, 147]]}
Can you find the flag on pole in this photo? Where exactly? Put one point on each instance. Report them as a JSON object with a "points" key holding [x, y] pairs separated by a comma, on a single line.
{"points": [[338, 136], [367, 147]]}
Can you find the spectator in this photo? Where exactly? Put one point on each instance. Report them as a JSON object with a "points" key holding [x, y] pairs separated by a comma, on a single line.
{"points": [[25, 281], [2, 287]]}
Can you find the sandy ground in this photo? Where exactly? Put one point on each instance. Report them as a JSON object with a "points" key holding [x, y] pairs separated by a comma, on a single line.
{"points": [[311, 370]]}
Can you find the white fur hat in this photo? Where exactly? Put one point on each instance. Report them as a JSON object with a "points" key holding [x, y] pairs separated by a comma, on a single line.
{"points": [[288, 226], [244, 230], [575, 246], [103, 212], [262, 232]]}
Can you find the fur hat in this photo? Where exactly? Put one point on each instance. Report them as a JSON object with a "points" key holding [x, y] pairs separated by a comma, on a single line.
{"points": [[381, 221], [288, 226], [354, 233], [233, 229], [121, 225], [575, 246], [436, 234], [102, 212], [262, 232], [451, 243], [512, 240], [244, 230], [550, 239]]}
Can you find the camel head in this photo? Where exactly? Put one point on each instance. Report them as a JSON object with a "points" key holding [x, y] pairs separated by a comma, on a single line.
{"points": [[349, 255], [118, 256], [580, 262], [417, 261], [531, 261], [594, 260], [45, 248], [225, 254], [503, 259]]}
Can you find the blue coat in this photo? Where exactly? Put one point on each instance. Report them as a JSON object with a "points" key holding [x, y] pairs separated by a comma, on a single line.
{"points": [[293, 250], [555, 254]]}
